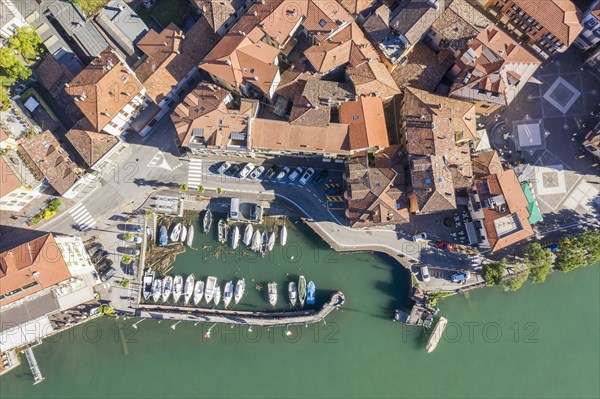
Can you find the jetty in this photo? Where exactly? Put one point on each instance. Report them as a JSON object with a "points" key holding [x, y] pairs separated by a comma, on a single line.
{"points": [[435, 337], [35, 369], [240, 317]]}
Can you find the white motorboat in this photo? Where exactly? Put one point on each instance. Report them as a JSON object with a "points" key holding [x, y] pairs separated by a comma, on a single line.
{"points": [[188, 289], [167, 288], [222, 229], [293, 293], [148, 279], [301, 290], [235, 237], [156, 289], [184, 233], [256, 241], [198, 292], [227, 293], [209, 292], [272, 293], [283, 235], [177, 288], [190, 236], [247, 240], [271, 243], [217, 295], [176, 232], [240, 288]]}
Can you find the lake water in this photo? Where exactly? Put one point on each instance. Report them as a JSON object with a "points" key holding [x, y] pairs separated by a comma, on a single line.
{"points": [[542, 341]]}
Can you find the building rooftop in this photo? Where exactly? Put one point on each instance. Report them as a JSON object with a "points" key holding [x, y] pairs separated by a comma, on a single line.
{"points": [[412, 18], [356, 7], [424, 69], [459, 24], [366, 122], [122, 25], [9, 181], [560, 17], [487, 163], [91, 146], [216, 12]]}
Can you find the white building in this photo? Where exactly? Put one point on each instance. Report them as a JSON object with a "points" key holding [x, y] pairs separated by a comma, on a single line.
{"points": [[10, 18], [590, 36]]}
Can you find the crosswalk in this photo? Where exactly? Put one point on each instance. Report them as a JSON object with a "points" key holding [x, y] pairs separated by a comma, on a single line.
{"points": [[82, 217], [195, 173]]}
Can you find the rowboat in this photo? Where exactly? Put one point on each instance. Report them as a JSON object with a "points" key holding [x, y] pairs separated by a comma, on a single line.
{"points": [[176, 232], [271, 243], [240, 288], [190, 236], [183, 233], [209, 292], [301, 290], [227, 293], [272, 293], [235, 237], [167, 288], [162, 236], [247, 240], [198, 292], [177, 288], [217, 295], [283, 236], [188, 289], [264, 242], [207, 220], [293, 293], [156, 289]]}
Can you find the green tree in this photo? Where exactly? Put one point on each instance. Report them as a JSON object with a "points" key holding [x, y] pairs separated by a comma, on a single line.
{"points": [[4, 99], [27, 42], [201, 189], [11, 67], [539, 262], [125, 283], [219, 191], [590, 242], [515, 282], [107, 310], [493, 272], [183, 187], [127, 236], [126, 259], [570, 254], [434, 298]]}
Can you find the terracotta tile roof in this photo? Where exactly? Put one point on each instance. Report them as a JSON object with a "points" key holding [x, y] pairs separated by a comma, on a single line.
{"points": [[366, 121], [9, 181], [424, 68], [103, 88], [3, 135], [459, 24], [560, 17], [412, 18], [283, 136], [91, 146], [596, 11], [216, 12], [487, 163], [48, 159], [355, 7], [31, 267]]}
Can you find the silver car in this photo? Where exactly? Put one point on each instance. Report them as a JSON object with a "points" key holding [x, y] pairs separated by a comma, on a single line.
{"points": [[297, 172], [224, 166], [281, 175], [249, 167], [257, 172]]}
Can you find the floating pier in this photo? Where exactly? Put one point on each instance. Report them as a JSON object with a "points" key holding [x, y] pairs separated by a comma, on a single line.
{"points": [[224, 316], [35, 370], [435, 337]]}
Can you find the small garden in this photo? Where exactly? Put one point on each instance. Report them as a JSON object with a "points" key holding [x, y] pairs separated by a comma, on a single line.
{"points": [[90, 7], [164, 12], [51, 209]]}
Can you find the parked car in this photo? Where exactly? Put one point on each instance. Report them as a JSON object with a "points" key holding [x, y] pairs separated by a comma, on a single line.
{"points": [[249, 167], [136, 240], [131, 251], [425, 274], [283, 173], [460, 277], [307, 176], [320, 177], [419, 237], [234, 170], [135, 228], [297, 172], [552, 247], [270, 172], [257, 172], [224, 166], [111, 272]]}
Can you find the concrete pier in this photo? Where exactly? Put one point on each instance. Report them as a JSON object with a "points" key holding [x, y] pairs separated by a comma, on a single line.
{"points": [[436, 335], [224, 316], [35, 370]]}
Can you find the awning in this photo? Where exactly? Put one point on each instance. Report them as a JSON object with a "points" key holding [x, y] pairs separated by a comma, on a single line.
{"points": [[535, 215], [413, 203], [472, 233]]}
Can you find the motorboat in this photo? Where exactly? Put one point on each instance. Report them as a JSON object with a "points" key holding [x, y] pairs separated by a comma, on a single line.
{"points": [[156, 289], [217, 295], [271, 243], [283, 235], [222, 230], [148, 279], [167, 288], [207, 221], [227, 293], [311, 293], [235, 237], [256, 241], [149, 232], [176, 232], [264, 243], [209, 292], [162, 236], [293, 293], [272, 293], [198, 292], [184, 233], [301, 290], [247, 240], [177, 288], [240, 288], [190, 236], [188, 289]]}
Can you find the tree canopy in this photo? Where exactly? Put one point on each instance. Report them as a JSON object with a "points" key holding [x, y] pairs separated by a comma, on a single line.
{"points": [[11, 67], [26, 42], [539, 262], [493, 272]]}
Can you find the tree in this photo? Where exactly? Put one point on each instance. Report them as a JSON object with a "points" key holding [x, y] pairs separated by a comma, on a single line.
{"points": [[219, 191], [126, 259], [570, 254], [183, 187], [515, 282], [539, 262], [27, 42], [125, 283], [590, 242], [4, 99], [107, 310], [11, 67], [493, 272], [127, 236], [201, 189]]}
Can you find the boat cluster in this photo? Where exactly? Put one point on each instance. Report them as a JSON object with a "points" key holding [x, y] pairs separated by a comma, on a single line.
{"points": [[179, 233], [192, 290]]}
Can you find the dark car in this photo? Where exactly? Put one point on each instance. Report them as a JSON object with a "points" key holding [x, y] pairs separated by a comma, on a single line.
{"points": [[320, 177], [270, 173], [233, 170]]}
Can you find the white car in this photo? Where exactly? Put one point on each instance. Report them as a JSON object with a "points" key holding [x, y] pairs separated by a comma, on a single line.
{"points": [[425, 274], [257, 172], [307, 176], [224, 166], [297, 172], [136, 240], [249, 167], [281, 175], [419, 237]]}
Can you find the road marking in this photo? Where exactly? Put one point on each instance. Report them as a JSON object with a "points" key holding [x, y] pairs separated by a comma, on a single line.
{"points": [[82, 217], [159, 161], [195, 173]]}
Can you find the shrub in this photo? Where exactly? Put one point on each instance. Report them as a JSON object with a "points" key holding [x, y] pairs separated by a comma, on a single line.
{"points": [[183, 187], [127, 259]]}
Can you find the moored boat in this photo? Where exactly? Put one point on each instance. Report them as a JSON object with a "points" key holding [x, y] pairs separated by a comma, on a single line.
{"points": [[235, 237], [271, 243], [156, 289], [272, 293], [188, 289], [301, 290], [209, 291], [148, 279], [184, 233], [311, 293], [167, 288], [217, 295], [207, 221], [264, 243], [177, 288], [175, 233], [190, 236], [256, 241], [240, 288], [293, 293], [283, 235], [222, 231], [248, 231], [198, 292], [227, 293], [162, 236]]}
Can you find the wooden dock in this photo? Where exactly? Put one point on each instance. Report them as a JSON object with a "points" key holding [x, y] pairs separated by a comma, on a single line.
{"points": [[35, 369], [224, 316], [435, 337]]}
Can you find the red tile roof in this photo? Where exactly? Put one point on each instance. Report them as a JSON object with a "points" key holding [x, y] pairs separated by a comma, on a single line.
{"points": [[366, 121], [560, 17]]}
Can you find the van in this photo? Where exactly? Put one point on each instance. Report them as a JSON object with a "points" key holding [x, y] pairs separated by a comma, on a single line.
{"points": [[425, 274]]}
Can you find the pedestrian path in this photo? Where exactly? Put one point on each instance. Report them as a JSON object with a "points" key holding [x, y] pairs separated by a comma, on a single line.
{"points": [[195, 173], [82, 217]]}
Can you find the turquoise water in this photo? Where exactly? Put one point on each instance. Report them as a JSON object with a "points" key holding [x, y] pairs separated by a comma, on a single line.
{"points": [[542, 341]]}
